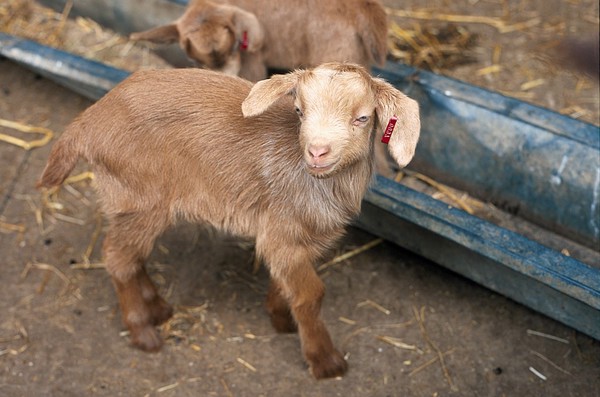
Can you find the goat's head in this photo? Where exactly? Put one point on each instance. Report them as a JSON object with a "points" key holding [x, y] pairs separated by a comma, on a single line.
{"points": [[211, 34], [341, 107]]}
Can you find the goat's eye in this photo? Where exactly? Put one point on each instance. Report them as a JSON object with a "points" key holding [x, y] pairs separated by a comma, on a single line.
{"points": [[299, 111], [360, 120]]}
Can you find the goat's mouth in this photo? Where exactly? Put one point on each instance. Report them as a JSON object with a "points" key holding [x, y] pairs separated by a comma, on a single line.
{"points": [[320, 170]]}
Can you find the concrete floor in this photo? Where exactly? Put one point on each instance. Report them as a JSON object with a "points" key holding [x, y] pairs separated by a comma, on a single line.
{"points": [[392, 312]]}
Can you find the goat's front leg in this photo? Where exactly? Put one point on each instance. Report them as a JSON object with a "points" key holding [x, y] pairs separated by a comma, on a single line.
{"points": [[253, 66], [304, 291], [127, 245]]}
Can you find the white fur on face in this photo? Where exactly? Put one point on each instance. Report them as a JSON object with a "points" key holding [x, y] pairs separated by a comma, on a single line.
{"points": [[331, 103]]}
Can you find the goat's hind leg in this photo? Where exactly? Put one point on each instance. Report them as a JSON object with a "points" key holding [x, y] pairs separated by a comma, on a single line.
{"points": [[279, 309], [128, 243]]}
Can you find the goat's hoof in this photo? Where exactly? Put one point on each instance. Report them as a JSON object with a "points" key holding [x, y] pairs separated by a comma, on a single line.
{"points": [[330, 366], [160, 311], [146, 338]]}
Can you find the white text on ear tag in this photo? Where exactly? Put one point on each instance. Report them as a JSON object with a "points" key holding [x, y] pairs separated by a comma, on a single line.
{"points": [[387, 134]]}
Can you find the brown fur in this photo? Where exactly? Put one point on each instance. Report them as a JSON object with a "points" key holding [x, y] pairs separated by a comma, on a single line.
{"points": [[197, 145], [283, 34]]}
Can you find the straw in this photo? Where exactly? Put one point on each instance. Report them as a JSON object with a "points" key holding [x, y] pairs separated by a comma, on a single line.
{"points": [[29, 129]]}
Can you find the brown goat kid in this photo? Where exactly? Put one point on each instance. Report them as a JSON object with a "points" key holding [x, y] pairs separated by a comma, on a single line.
{"points": [[286, 161], [245, 37]]}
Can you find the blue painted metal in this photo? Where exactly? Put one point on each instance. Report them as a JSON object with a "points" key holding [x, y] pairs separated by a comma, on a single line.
{"points": [[127, 16], [123, 16], [86, 77], [530, 273], [538, 164], [545, 280]]}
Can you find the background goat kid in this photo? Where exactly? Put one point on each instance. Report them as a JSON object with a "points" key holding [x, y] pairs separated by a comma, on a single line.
{"points": [[245, 37], [286, 162]]}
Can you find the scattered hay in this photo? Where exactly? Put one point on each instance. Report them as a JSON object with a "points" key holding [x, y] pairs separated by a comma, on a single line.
{"points": [[226, 388], [446, 194], [185, 324], [495, 68], [576, 112], [547, 336], [371, 328], [441, 42], [538, 373], [346, 320], [94, 239], [70, 219], [430, 48], [30, 129], [246, 364], [532, 84], [167, 388], [44, 266], [498, 23], [6, 227], [398, 343], [375, 305], [350, 254], [428, 363], [81, 36], [420, 317], [51, 207], [233, 275], [18, 16], [79, 177], [21, 336], [489, 212], [68, 286], [547, 360]]}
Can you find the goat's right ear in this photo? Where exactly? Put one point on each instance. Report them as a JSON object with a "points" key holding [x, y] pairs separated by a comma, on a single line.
{"points": [[264, 93], [166, 34]]}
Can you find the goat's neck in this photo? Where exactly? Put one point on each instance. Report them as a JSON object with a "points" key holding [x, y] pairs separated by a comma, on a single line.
{"points": [[337, 199]]}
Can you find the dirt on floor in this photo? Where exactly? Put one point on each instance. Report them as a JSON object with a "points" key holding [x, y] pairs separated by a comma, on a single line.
{"points": [[408, 326]]}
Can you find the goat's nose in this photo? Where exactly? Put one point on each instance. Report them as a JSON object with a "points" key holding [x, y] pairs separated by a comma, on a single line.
{"points": [[317, 151]]}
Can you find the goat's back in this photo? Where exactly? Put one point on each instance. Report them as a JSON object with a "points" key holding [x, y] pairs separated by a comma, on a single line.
{"points": [[304, 33], [177, 140]]}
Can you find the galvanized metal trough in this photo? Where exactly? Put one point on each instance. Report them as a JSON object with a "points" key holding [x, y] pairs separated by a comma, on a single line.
{"points": [[543, 166]]}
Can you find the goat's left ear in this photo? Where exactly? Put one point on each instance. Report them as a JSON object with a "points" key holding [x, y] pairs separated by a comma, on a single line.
{"points": [[248, 30], [393, 103], [264, 93]]}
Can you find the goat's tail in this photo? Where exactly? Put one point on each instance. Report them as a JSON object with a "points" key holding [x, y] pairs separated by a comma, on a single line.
{"points": [[62, 160], [373, 25]]}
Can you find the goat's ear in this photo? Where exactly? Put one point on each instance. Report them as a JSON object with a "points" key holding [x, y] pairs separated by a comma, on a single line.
{"points": [[166, 34], [264, 93], [393, 103], [244, 21]]}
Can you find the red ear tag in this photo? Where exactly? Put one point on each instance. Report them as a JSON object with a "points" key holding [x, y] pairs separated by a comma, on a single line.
{"points": [[387, 134], [244, 42]]}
